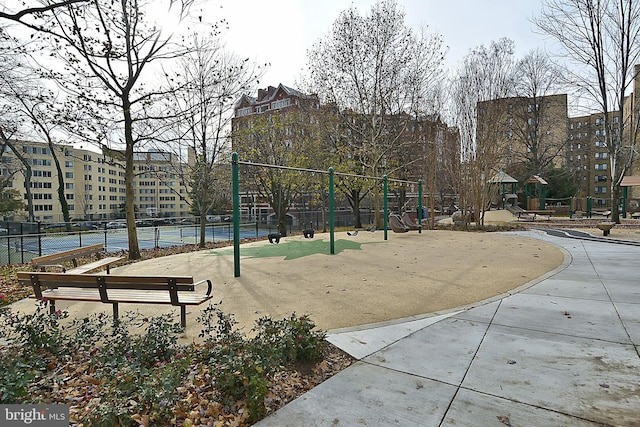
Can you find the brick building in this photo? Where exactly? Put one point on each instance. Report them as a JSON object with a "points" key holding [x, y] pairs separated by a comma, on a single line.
{"points": [[95, 183]]}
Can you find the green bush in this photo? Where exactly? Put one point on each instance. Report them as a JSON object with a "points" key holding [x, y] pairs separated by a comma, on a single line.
{"points": [[136, 367], [292, 339]]}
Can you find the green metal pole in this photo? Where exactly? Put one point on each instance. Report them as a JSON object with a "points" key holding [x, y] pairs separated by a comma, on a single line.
{"points": [[420, 206], [385, 180], [236, 214], [332, 239]]}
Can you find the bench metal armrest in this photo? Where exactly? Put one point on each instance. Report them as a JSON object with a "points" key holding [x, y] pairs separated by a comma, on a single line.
{"points": [[209, 285]]}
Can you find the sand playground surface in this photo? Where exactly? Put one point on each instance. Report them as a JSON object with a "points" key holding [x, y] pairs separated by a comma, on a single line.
{"points": [[368, 280]]}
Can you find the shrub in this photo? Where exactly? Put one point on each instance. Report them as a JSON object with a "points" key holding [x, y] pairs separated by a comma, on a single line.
{"points": [[292, 338], [134, 369], [244, 365]]}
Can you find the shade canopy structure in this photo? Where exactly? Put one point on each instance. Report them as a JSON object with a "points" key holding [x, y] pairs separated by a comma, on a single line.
{"points": [[628, 181], [504, 179], [536, 185]]}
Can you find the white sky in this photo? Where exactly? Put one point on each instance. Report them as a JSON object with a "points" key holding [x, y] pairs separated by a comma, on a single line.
{"points": [[280, 32]]}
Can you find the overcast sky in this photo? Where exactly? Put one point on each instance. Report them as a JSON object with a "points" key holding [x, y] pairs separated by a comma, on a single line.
{"points": [[280, 32]]}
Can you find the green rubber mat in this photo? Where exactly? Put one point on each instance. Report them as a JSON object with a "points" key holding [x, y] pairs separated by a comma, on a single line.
{"points": [[292, 249]]}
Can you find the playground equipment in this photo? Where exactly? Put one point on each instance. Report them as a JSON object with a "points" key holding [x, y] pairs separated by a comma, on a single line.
{"points": [[397, 225], [235, 162]]}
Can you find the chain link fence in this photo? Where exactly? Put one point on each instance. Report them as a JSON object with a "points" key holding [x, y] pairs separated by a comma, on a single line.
{"points": [[20, 242]]}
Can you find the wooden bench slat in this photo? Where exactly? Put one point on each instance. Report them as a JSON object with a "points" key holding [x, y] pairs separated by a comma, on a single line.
{"points": [[56, 260], [69, 254], [84, 268], [133, 297], [172, 290]]}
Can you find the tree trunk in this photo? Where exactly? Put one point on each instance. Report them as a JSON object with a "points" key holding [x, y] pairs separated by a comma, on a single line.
{"points": [[134, 250]]}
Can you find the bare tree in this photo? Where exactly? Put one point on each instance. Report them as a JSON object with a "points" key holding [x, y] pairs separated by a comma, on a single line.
{"points": [[47, 7], [286, 138], [376, 72], [210, 80], [108, 47], [484, 74], [11, 119], [601, 39], [538, 114], [33, 105]]}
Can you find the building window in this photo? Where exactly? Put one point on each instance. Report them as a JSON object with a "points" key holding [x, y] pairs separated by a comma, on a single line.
{"points": [[281, 103], [243, 111]]}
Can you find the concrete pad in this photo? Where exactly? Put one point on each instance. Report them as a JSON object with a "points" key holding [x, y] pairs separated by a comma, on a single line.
{"points": [[589, 379], [569, 316], [569, 288], [473, 409], [483, 313], [623, 290], [441, 352], [630, 316], [369, 396], [360, 342]]}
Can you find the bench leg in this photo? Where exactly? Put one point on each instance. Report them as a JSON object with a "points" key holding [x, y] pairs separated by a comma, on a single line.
{"points": [[115, 312], [183, 316], [52, 306]]}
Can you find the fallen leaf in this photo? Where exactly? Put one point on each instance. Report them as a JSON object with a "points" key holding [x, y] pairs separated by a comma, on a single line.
{"points": [[504, 420]]}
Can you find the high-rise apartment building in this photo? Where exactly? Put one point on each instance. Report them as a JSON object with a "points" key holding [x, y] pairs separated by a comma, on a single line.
{"points": [[587, 157], [526, 133], [94, 183]]}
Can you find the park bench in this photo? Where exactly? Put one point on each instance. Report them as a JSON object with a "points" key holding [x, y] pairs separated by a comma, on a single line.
{"points": [[530, 215], [110, 289], [55, 260]]}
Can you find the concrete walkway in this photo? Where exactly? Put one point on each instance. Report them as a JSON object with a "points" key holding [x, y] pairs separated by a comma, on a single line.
{"points": [[564, 352]]}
